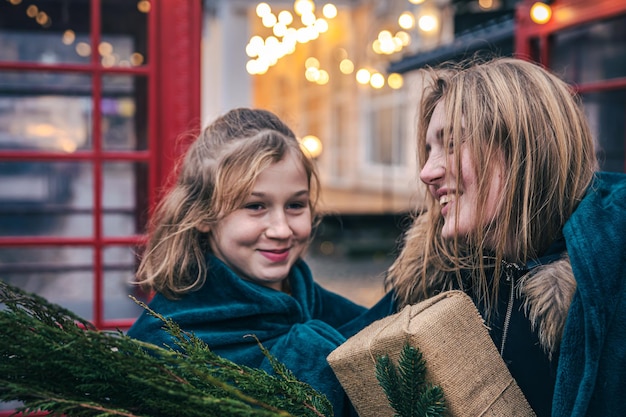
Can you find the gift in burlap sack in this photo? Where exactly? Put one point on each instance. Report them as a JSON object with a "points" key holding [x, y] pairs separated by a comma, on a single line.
{"points": [[459, 354]]}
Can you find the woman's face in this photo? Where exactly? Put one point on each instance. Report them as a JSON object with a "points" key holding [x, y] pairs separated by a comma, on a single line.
{"points": [[263, 239], [456, 192]]}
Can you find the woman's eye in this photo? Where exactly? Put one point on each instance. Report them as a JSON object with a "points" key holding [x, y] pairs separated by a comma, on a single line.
{"points": [[451, 146]]}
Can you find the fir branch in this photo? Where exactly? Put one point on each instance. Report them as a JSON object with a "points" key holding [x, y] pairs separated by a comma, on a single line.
{"points": [[406, 389], [287, 393], [53, 360], [389, 381]]}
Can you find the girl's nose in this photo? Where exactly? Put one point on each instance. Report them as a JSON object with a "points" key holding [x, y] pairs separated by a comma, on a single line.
{"points": [[278, 227], [433, 171]]}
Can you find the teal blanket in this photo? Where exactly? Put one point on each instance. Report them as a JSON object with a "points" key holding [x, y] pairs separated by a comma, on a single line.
{"points": [[591, 377], [298, 329]]}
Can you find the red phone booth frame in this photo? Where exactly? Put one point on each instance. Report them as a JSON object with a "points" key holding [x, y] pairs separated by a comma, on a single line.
{"points": [[173, 105]]}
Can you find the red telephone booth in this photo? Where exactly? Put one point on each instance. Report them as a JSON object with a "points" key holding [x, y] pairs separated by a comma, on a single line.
{"points": [[94, 95], [585, 43]]}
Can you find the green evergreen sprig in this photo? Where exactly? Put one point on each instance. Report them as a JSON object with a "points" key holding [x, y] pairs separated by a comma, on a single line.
{"points": [[53, 360], [406, 388]]}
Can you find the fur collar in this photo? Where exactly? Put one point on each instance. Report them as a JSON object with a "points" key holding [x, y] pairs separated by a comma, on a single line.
{"points": [[547, 292]]}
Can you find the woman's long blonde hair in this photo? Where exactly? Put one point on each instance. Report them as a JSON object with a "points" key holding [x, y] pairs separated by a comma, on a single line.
{"points": [[216, 176], [508, 110]]}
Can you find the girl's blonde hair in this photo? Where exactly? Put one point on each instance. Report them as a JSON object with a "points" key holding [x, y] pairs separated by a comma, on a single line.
{"points": [[216, 176], [508, 111]]}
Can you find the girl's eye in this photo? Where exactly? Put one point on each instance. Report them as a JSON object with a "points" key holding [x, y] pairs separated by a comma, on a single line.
{"points": [[298, 205], [254, 206]]}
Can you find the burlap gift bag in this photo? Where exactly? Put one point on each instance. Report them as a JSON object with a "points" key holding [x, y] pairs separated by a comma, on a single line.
{"points": [[459, 354]]}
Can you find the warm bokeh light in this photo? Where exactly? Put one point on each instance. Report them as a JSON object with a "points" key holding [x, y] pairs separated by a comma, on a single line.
{"points": [[428, 23], [323, 78], [269, 20], [308, 18], [255, 46], [395, 81], [262, 9], [329, 11], [312, 74], [485, 4], [265, 51], [406, 20], [363, 76], [285, 17], [69, 37], [346, 66], [83, 49], [303, 6], [136, 59], [279, 30], [540, 13], [32, 11], [43, 19], [143, 6], [108, 61], [105, 48], [404, 37], [321, 25], [311, 145], [416, 1], [377, 80], [312, 62]]}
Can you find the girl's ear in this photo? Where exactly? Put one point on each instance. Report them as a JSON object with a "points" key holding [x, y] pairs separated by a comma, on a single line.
{"points": [[203, 227]]}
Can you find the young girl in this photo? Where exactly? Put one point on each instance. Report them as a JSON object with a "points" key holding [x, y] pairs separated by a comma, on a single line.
{"points": [[225, 247], [521, 221]]}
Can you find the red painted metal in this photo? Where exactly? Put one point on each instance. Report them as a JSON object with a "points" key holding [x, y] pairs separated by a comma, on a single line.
{"points": [[18, 155], [565, 14], [605, 85], [179, 63], [172, 71]]}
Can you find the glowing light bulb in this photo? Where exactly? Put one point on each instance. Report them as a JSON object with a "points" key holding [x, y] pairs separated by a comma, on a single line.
{"points": [[540, 13], [311, 145], [428, 23]]}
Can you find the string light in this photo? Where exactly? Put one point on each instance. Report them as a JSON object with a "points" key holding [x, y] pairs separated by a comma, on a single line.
{"points": [[264, 53], [311, 145], [428, 23], [284, 38], [406, 20], [540, 13]]}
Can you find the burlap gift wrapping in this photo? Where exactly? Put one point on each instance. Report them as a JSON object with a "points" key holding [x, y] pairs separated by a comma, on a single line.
{"points": [[459, 353]]}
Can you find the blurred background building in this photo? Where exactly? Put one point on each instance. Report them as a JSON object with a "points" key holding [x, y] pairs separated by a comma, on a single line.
{"points": [[98, 98]]}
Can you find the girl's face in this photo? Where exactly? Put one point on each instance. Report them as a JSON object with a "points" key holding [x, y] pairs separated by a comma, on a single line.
{"points": [[440, 175], [262, 240]]}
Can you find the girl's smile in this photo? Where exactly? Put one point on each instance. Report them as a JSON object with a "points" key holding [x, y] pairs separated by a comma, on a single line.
{"points": [[264, 238]]}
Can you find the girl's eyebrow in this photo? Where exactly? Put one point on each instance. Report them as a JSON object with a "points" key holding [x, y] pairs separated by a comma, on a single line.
{"points": [[296, 194]]}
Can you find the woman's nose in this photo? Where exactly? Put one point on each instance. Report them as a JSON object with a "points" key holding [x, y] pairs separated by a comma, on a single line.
{"points": [[433, 170]]}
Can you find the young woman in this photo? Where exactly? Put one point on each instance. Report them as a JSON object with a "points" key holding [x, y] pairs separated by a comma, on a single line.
{"points": [[225, 247], [518, 217]]}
